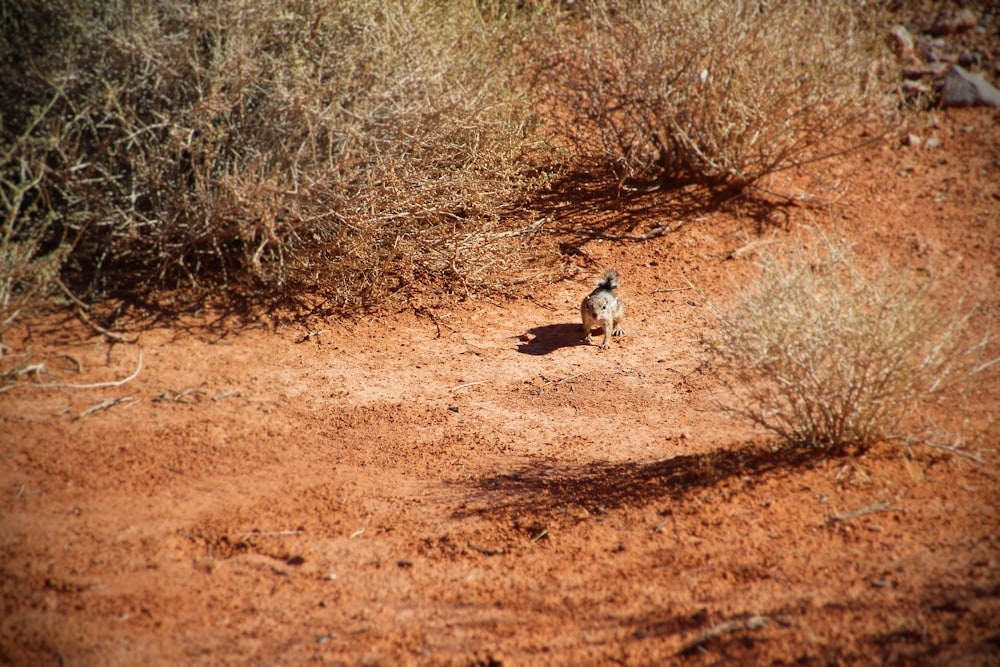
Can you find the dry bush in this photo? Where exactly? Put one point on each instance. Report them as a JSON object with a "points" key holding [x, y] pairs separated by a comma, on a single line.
{"points": [[821, 355], [726, 92], [358, 149]]}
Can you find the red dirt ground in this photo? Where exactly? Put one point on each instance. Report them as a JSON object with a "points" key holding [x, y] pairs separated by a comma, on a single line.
{"points": [[473, 486]]}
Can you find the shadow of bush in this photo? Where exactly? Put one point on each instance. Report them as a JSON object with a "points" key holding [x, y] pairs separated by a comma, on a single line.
{"points": [[540, 489], [582, 208]]}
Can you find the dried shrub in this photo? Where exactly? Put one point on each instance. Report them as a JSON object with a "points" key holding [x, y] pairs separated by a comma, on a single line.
{"points": [[359, 149], [727, 92], [821, 355]]}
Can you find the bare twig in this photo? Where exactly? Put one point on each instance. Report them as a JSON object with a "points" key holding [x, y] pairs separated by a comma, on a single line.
{"points": [[311, 334], [104, 405], [752, 623], [565, 379], [79, 365], [33, 368], [67, 385], [72, 297], [873, 509], [469, 384], [951, 449], [485, 551], [750, 247], [97, 327], [273, 533]]}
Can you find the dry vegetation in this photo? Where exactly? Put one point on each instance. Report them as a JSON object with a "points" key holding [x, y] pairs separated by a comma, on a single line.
{"points": [[723, 92], [353, 149], [822, 355], [369, 151]]}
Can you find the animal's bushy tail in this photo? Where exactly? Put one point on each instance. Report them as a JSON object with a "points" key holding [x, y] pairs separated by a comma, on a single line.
{"points": [[610, 281]]}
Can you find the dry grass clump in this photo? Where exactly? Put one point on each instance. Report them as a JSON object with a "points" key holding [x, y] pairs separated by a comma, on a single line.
{"points": [[726, 92], [821, 355], [355, 148]]}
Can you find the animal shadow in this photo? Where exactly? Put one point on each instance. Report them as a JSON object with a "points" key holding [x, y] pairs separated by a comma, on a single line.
{"points": [[551, 337]]}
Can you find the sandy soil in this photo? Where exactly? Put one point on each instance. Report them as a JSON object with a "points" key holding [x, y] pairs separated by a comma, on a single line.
{"points": [[471, 485]]}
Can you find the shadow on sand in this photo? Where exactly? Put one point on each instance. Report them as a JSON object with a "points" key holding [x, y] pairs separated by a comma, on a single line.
{"points": [[540, 489], [551, 337]]}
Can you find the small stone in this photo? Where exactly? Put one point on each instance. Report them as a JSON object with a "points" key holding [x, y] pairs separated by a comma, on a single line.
{"points": [[918, 71], [911, 140], [901, 42], [962, 89], [916, 88], [950, 23], [970, 59], [933, 142]]}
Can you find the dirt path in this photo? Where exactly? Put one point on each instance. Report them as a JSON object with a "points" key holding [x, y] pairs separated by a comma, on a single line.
{"points": [[471, 485]]}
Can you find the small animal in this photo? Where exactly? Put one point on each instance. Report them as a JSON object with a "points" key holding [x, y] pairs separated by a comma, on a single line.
{"points": [[602, 308]]}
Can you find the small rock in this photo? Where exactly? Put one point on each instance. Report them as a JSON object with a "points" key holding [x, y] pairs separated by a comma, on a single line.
{"points": [[933, 142], [911, 140], [950, 23], [916, 88], [919, 71], [970, 59], [901, 42], [962, 88]]}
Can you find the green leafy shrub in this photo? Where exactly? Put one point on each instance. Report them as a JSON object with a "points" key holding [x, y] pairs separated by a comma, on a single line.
{"points": [[821, 355]]}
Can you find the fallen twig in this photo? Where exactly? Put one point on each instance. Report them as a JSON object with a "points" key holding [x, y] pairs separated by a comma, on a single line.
{"points": [[33, 368], [469, 384], [752, 623], [951, 449], [565, 379], [79, 366], [188, 392], [104, 405], [67, 385], [873, 509], [72, 297], [97, 327], [485, 551], [749, 247], [672, 289], [430, 314], [311, 334]]}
